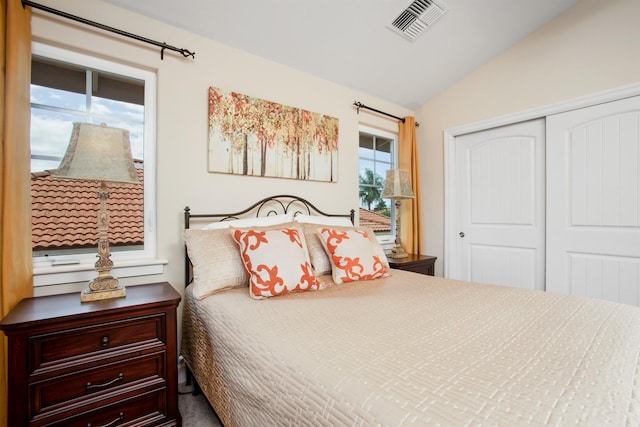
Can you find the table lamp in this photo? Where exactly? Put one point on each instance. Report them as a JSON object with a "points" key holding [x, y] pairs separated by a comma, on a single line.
{"points": [[398, 187], [99, 153]]}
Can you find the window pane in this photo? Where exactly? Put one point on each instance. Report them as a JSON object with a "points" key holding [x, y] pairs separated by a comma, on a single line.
{"points": [[382, 170], [136, 138], [101, 107], [58, 98], [383, 156], [376, 156], [366, 153], [120, 105], [364, 165], [50, 133]]}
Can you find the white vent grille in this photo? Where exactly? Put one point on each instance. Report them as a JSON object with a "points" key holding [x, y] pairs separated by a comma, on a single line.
{"points": [[416, 18]]}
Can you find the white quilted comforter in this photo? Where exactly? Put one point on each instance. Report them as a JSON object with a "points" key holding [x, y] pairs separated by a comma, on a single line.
{"points": [[415, 350]]}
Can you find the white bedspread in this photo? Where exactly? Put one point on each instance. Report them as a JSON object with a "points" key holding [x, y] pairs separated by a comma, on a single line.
{"points": [[415, 350]]}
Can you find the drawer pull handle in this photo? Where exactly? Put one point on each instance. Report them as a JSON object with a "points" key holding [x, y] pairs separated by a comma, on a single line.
{"points": [[120, 417], [105, 341], [120, 376]]}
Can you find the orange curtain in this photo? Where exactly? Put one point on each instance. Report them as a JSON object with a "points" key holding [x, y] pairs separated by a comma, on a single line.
{"points": [[411, 230], [15, 179]]}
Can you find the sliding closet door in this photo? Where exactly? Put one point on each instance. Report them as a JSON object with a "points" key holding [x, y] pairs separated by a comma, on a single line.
{"points": [[500, 206], [593, 202]]}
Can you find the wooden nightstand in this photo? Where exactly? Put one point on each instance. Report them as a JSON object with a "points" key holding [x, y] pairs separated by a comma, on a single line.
{"points": [[108, 362], [423, 264]]}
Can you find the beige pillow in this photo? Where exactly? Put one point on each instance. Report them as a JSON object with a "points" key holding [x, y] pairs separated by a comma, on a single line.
{"points": [[217, 265], [317, 253], [353, 253]]}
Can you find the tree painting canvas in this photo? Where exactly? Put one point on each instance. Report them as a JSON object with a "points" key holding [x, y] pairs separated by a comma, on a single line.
{"points": [[254, 137]]}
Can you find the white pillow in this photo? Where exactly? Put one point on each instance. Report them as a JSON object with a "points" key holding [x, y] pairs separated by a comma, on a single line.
{"points": [[217, 265], [276, 260], [318, 253], [251, 222], [323, 220], [354, 253]]}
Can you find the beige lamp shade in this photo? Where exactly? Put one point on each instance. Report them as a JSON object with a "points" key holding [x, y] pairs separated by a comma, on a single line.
{"points": [[397, 185], [98, 153]]}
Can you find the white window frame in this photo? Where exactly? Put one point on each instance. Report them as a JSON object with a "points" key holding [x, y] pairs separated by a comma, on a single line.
{"points": [[387, 240], [60, 269]]}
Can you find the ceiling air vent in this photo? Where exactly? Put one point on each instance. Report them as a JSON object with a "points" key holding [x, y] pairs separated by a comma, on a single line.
{"points": [[416, 18]]}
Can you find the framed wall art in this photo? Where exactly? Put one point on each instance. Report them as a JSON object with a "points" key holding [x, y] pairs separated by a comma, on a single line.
{"points": [[255, 137]]}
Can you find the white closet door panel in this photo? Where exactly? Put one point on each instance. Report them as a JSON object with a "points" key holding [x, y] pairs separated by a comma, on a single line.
{"points": [[502, 181], [603, 162], [500, 199], [506, 266], [604, 277], [593, 201]]}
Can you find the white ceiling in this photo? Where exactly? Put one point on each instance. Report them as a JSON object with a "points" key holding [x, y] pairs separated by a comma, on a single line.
{"points": [[348, 42]]}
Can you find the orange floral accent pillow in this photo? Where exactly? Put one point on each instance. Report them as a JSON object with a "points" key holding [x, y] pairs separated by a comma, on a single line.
{"points": [[276, 261], [352, 254]]}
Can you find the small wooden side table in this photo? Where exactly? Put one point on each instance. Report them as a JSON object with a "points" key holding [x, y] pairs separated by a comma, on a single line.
{"points": [[100, 363], [423, 264]]}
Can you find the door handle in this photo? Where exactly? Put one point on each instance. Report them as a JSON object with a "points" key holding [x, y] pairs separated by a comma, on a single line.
{"points": [[461, 234]]}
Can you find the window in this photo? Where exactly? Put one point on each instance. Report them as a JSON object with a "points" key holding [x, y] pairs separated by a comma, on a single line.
{"points": [[68, 87], [377, 154]]}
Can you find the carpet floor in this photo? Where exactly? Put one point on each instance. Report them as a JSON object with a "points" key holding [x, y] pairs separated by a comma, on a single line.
{"points": [[196, 410]]}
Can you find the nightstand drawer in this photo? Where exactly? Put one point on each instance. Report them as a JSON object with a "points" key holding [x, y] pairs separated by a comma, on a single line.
{"points": [[60, 394], [59, 349], [419, 268], [144, 409]]}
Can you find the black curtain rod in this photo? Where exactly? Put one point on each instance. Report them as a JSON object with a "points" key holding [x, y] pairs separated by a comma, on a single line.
{"points": [[360, 105], [184, 52]]}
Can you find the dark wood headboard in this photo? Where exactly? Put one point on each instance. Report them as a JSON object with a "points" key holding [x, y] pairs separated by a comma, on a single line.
{"points": [[273, 205]]}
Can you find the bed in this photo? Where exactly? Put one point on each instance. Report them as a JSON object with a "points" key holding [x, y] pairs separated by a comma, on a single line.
{"points": [[399, 349]]}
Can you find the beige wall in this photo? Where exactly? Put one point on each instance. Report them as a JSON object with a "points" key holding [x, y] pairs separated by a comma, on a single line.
{"points": [[182, 118], [592, 47]]}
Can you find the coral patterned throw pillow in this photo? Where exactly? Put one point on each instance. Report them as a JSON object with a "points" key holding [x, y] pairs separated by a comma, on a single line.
{"points": [[276, 261], [352, 255]]}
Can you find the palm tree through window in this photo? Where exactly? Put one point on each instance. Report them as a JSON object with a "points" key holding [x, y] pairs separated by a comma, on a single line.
{"points": [[376, 155]]}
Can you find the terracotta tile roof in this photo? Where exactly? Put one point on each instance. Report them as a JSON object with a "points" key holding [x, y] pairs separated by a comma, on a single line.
{"points": [[374, 220], [63, 213]]}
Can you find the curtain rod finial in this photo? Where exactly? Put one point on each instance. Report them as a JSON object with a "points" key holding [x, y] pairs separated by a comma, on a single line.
{"points": [[187, 52]]}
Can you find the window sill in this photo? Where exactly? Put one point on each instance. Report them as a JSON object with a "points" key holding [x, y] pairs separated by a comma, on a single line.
{"points": [[387, 242], [45, 274]]}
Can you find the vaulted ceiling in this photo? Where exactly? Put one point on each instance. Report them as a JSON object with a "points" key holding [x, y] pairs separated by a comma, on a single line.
{"points": [[349, 41]]}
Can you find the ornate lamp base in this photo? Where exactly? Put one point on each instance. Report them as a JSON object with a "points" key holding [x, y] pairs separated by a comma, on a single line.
{"points": [[88, 295], [103, 288], [397, 252]]}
